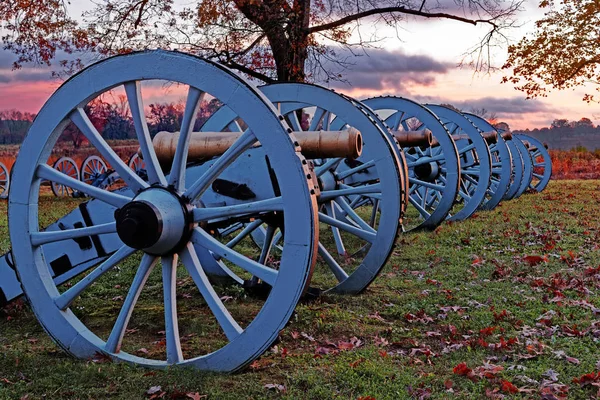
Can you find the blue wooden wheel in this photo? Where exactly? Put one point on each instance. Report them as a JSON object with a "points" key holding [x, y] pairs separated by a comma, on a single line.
{"points": [[67, 166], [475, 161], [433, 172], [501, 164], [175, 204], [517, 169], [4, 181], [542, 163], [527, 166], [361, 201], [93, 169], [138, 165]]}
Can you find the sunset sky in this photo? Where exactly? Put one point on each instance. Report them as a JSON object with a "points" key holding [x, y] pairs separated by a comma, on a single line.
{"points": [[421, 66]]}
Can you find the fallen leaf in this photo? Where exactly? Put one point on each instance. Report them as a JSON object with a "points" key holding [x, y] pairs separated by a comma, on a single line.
{"points": [[274, 386]]}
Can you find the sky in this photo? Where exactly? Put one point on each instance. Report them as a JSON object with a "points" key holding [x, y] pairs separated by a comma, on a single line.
{"points": [[421, 65]]}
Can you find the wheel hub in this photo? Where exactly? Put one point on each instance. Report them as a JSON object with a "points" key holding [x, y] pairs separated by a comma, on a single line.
{"points": [[157, 221], [428, 171]]}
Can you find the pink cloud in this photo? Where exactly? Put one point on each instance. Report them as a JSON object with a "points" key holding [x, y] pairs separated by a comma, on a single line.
{"points": [[26, 96]]}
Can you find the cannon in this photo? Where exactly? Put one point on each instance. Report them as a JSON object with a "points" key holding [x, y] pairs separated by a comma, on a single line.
{"points": [[205, 145], [161, 223], [67, 166], [475, 161], [541, 163], [362, 199], [4, 181], [502, 162], [433, 171]]}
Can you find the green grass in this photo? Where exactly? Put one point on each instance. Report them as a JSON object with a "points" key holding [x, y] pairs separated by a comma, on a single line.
{"points": [[421, 318]]}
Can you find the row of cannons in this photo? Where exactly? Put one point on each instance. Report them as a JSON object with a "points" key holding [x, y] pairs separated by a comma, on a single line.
{"points": [[286, 189], [93, 171]]}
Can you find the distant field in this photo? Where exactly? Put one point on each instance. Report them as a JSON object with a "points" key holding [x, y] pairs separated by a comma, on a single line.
{"points": [[504, 304], [124, 148]]}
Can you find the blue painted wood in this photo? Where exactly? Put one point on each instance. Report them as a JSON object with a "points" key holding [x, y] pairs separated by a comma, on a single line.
{"points": [[433, 203], [68, 167], [517, 169], [4, 181], [475, 161], [542, 163], [501, 164], [381, 183], [299, 246], [527, 166]]}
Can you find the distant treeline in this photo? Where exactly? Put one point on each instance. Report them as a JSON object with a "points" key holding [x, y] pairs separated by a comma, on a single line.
{"points": [[112, 120], [14, 126], [565, 135]]}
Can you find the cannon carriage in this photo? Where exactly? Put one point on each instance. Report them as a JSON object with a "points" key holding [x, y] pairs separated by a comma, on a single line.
{"points": [[282, 184]]}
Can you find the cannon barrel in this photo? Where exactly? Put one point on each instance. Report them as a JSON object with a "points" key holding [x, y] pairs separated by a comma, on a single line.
{"points": [[314, 144], [507, 135], [414, 138], [490, 138]]}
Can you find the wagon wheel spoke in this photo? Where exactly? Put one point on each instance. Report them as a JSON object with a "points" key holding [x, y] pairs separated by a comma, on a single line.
{"points": [[470, 179], [169, 277], [244, 142], [133, 91], [177, 174], [203, 239], [46, 172], [337, 237], [344, 174], [269, 205], [330, 164], [424, 197], [374, 212], [421, 161], [371, 189], [467, 148], [316, 119], [368, 191], [248, 229], [418, 206], [335, 223], [81, 120], [190, 260], [295, 124], [429, 185], [333, 265], [66, 299], [410, 158], [267, 244], [471, 171], [326, 121], [40, 238], [397, 120], [113, 344], [353, 216]]}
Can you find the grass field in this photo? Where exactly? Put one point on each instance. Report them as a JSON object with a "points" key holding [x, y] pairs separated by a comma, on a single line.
{"points": [[504, 304]]}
